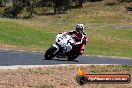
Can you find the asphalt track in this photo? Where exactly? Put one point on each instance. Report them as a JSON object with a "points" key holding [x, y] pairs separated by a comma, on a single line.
{"points": [[9, 58]]}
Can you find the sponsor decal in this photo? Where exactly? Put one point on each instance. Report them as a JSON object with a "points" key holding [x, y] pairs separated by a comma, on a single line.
{"points": [[83, 78]]}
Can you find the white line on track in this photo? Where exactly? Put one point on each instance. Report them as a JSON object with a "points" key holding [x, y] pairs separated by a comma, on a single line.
{"points": [[36, 66], [14, 67], [20, 50]]}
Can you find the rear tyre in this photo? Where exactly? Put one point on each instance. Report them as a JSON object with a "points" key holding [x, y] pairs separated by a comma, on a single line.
{"points": [[50, 53], [72, 58], [73, 54]]}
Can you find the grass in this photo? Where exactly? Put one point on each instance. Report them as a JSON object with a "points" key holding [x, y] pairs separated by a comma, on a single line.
{"points": [[102, 24], [38, 71], [59, 76], [17, 34]]}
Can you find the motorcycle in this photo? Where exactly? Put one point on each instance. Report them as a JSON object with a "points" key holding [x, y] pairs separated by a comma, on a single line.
{"points": [[64, 47]]}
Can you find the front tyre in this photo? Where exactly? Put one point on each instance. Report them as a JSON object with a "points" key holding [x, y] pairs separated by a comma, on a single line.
{"points": [[50, 53]]}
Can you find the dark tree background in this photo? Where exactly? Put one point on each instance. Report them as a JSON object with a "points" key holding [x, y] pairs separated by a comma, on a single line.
{"points": [[58, 6]]}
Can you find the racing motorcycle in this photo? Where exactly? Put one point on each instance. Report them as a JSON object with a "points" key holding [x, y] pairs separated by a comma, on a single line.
{"points": [[64, 47]]}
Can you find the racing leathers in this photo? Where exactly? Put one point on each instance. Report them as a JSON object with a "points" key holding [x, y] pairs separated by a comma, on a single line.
{"points": [[80, 40]]}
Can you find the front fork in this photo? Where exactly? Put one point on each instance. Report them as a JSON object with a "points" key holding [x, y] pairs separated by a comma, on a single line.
{"points": [[57, 47]]}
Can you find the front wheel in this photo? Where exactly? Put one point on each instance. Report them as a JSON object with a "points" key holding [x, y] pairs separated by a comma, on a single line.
{"points": [[50, 53]]}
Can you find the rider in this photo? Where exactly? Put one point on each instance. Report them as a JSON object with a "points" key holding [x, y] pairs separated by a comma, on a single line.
{"points": [[80, 37]]}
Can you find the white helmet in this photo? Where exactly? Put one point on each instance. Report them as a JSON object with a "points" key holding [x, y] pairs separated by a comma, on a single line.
{"points": [[79, 28]]}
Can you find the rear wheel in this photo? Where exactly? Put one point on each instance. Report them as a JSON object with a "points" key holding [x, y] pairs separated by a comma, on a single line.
{"points": [[72, 56], [50, 53], [74, 53]]}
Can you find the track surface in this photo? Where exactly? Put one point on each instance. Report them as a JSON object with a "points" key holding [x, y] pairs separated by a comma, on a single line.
{"points": [[9, 58]]}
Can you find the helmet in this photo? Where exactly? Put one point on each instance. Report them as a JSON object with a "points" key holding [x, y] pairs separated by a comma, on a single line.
{"points": [[79, 28]]}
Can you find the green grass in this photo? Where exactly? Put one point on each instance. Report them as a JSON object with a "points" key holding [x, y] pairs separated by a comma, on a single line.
{"points": [[101, 24], [17, 34]]}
